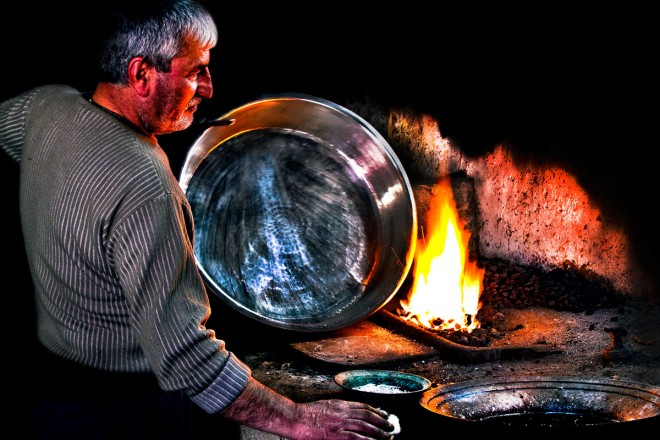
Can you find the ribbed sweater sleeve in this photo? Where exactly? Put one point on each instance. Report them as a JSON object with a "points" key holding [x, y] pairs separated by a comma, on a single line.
{"points": [[109, 235]]}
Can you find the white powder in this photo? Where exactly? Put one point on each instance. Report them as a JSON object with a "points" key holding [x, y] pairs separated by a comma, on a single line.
{"points": [[394, 420], [380, 388]]}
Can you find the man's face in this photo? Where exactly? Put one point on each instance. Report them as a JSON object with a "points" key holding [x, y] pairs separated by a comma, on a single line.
{"points": [[179, 91]]}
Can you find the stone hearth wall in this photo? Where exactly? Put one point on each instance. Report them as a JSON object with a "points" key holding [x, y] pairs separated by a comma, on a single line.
{"points": [[526, 213]]}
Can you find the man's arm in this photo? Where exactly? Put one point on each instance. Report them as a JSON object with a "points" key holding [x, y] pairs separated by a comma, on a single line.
{"points": [[262, 408]]}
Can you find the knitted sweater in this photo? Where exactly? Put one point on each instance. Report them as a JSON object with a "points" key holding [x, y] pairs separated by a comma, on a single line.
{"points": [[108, 234]]}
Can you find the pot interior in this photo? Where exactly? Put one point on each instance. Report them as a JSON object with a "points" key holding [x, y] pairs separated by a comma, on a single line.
{"points": [[304, 216], [382, 382], [545, 401]]}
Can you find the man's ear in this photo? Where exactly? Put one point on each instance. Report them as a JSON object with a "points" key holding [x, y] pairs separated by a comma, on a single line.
{"points": [[139, 75]]}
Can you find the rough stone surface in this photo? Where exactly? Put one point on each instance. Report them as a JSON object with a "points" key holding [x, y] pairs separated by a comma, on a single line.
{"points": [[585, 342], [529, 211]]}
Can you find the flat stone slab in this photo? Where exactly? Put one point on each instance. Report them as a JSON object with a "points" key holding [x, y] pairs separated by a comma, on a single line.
{"points": [[364, 344]]}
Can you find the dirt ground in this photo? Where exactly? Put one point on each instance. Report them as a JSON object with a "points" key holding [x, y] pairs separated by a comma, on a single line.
{"points": [[578, 345], [586, 344]]}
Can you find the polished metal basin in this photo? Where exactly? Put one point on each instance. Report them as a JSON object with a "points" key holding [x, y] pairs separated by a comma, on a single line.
{"points": [[304, 216], [546, 403]]}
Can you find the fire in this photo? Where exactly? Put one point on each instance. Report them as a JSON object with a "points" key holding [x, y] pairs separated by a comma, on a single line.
{"points": [[446, 286]]}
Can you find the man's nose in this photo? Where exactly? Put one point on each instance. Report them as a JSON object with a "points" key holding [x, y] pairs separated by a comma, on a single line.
{"points": [[205, 86]]}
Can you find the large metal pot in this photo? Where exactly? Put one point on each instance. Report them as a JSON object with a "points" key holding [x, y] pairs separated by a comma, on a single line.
{"points": [[547, 404], [304, 216]]}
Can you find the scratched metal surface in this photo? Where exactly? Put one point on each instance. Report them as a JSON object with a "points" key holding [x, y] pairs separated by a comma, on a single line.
{"points": [[297, 228]]}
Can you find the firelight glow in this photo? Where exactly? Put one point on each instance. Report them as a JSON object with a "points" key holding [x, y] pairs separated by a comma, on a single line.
{"points": [[446, 286]]}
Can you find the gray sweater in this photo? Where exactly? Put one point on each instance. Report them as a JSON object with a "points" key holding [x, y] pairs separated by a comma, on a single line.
{"points": [[108, 235]]}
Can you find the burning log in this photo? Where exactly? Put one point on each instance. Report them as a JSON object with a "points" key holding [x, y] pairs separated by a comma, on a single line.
{"points": [[455, 297], [511, 286], [459, 352]]}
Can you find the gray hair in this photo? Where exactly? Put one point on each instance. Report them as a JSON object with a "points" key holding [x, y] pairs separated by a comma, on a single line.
{"points": [[153, 29]]}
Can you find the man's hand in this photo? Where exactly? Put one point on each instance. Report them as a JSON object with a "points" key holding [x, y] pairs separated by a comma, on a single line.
{"points": [[262, 408], [341, 419]]}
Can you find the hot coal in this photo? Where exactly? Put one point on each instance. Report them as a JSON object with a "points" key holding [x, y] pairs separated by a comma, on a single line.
{"points": [[568, 288], [505, 285]]}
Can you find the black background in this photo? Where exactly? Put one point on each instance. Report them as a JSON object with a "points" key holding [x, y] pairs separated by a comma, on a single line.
{"points": [[558, 84], [488, 73]]}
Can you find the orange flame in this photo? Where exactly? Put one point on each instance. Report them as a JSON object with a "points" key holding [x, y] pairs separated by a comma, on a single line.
{"points": [[446, 286]]}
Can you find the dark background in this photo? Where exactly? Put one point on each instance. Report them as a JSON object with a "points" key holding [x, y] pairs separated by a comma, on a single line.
{"points": [[487, 73], [559, 85]]}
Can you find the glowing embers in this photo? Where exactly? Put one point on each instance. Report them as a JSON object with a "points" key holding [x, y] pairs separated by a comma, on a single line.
{"points": [[447, 285]]}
